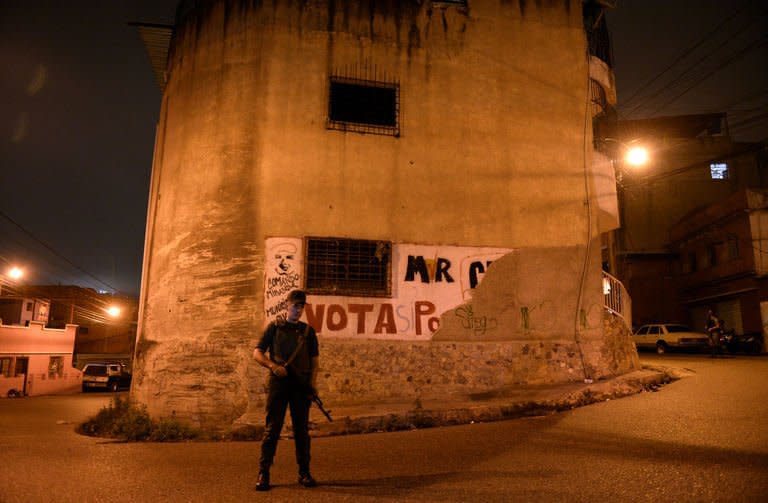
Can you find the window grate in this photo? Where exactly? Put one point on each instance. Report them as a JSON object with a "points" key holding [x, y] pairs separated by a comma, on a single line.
{"points": [[364, 106], [354, 267]]}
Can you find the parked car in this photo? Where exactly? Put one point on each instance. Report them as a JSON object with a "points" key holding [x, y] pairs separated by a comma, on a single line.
{"points": [[665, 336], [107, 376]]}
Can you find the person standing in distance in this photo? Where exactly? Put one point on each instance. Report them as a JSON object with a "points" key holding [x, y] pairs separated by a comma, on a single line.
{"points": [[293, 360], [714, 328]]}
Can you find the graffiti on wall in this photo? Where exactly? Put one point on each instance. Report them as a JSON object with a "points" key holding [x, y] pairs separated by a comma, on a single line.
{"points": [[427, 281], [478, 325], [378, 319], [283, 263]]}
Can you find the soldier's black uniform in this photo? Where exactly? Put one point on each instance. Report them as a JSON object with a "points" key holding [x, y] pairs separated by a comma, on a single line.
{"points": [[280, 340]]}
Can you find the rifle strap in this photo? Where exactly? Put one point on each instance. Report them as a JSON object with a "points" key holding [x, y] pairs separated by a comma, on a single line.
{"points": [[302, 339]]}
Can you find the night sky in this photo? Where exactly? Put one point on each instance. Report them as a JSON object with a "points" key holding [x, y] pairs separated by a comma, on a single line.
{"points": [[80, 104]]}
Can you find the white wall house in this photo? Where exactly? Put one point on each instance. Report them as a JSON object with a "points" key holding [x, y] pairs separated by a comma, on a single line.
{"points": [[35, 360]]}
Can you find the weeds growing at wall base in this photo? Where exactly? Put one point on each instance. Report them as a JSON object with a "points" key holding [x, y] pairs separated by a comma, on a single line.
{"points": [[124, 421]]}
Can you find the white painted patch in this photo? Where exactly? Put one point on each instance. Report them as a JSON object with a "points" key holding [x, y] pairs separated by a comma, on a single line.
{"points": [[426, 282]]}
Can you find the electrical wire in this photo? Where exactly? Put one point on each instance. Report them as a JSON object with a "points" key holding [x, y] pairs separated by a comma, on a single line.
{"points": [[684, 54], [733, 58], [53, 251], [696, 72]]}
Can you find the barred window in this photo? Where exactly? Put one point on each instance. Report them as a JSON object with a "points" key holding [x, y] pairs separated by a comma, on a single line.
{"points": [[364, 106], [5, 367], [354, 267], [55, 367]]}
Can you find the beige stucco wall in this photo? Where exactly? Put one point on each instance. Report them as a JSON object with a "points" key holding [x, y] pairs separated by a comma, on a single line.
{"points": [[38, 344], [494, 151]]}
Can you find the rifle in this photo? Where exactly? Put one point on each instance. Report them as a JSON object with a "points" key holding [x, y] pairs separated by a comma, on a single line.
{"points": [[319, 403]]}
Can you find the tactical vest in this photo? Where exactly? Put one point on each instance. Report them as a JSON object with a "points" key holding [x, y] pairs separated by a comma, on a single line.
{"points": [[287, 337]]}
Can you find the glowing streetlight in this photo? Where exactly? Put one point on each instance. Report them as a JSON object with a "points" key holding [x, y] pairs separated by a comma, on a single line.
{"points": [[114, 311], [15, 273], [636, 156]]}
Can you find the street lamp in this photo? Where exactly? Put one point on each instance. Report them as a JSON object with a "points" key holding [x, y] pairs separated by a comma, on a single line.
{"points": [[636, 156], [630, 152], [15, 273], [114, 311]]}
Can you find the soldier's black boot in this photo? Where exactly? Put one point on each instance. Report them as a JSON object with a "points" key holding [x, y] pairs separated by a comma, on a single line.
{"points": [[306, 479], [263, 483]]}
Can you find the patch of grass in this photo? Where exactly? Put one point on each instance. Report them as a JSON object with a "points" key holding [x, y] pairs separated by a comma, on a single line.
{"points": [[123, 421]]}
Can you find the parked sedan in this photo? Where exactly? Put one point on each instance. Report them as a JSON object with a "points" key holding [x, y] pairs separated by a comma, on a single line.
{"points": [[665, 336]]}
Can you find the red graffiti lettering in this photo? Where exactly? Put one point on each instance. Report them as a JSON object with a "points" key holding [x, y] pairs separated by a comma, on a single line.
{"points": [[315, 315], [341, 324], [425, 308], [386, 320], [360, 310], [336, 317]]}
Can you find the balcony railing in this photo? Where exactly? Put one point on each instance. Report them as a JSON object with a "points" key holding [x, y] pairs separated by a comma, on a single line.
{"points": [[617, 300]]}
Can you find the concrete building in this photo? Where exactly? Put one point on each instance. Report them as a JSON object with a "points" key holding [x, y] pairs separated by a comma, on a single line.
{"points": [[101, 335], [424, 169], [35, 360], [722, 262], [23, 310], [693, 164]]}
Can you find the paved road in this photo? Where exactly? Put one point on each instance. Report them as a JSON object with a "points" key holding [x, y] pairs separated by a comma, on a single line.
{"points": [[699, 439]]}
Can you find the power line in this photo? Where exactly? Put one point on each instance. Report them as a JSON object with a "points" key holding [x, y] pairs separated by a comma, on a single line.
{"points": [[684, 54], [693, 73], [53, 251], [734, 57]]}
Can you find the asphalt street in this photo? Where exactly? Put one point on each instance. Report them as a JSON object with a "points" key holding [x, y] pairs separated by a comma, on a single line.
{"points": [[701, 438]]}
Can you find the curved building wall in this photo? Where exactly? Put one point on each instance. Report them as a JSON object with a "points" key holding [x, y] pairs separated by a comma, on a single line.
{"points": [[491, 150]]}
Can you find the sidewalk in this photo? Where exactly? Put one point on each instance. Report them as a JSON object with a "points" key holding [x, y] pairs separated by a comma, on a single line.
{"points": [[522, 401]]}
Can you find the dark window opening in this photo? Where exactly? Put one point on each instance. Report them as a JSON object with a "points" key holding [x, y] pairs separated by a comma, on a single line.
{"points": [[5, 367], [353, 267], [363, 106], [692, 262], [712, 255], [733, 247]]}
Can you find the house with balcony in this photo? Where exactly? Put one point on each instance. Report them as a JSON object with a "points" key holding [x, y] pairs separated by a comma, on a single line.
{"points": [[102, 334], [722, 262], [693, 163]]}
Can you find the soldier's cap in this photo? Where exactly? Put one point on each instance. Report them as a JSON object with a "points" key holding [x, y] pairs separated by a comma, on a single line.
{"points": [[297, 297]]}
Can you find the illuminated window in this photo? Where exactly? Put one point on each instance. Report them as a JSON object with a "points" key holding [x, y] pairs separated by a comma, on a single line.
{"points": [[718, 170], [337, 266], [364, 106]]}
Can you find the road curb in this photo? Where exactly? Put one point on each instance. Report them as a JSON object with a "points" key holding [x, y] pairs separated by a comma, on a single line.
{"points": [[555, 401]]}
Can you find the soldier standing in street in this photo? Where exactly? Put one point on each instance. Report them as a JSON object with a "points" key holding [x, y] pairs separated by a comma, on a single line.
{"points": [[293, 362], [714, 328]]}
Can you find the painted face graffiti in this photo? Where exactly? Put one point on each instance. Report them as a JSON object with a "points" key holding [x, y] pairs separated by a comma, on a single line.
{"points": [[284, 255]]}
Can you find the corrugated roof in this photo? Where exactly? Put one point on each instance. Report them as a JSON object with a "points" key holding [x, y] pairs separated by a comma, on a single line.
{"points": [[157, 40]]}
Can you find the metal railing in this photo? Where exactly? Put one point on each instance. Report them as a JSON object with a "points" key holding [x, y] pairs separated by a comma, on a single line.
{"points": [[617, 299]]}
